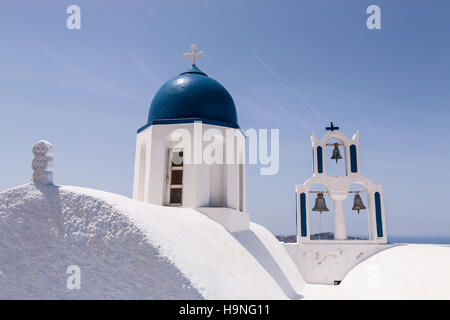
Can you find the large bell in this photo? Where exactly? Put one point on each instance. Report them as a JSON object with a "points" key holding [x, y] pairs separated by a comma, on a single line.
{"points": [[320, 204], [357, 203], [336, 153]]}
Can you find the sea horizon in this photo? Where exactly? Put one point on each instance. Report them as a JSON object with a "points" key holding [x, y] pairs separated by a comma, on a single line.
{"points": [[420, 239], [416, 239]]}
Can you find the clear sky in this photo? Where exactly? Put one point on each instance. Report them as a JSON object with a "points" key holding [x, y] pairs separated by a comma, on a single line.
{"points": [[292, 65]]}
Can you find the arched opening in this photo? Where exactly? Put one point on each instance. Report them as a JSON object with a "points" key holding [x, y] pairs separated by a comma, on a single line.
{"points": [[142, 171], [177, 150], [335, 167], [241, 187], [321, 223], [175, 177], [217, 171], [357, 224]]}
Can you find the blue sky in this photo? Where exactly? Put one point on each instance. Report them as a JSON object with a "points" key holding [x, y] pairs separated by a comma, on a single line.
{"points": [[291, 65]]}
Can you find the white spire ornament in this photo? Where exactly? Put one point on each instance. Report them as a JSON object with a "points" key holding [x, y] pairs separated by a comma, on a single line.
{"points": [[43, 163]]}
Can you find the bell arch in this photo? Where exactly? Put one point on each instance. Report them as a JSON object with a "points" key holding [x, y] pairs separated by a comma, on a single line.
{"points": [[358, 224], [348, 149], [321, 222], [335, 157]]}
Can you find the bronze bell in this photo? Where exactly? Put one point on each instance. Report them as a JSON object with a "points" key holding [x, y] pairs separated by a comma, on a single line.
{"points": [[336, 153], [357, 203], [320, 204]]}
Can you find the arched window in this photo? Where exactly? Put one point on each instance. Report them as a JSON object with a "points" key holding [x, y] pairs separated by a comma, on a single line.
{"points": [[142, 171], [175, 177]]}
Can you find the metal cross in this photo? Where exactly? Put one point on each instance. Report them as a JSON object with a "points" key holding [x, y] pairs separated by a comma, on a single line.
{"points": [[332, 127], [194, 55]]}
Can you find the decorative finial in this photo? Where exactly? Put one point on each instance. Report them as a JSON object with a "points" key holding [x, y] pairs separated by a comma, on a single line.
{"points": [[43, 162], [332, 127], [194, 55]]}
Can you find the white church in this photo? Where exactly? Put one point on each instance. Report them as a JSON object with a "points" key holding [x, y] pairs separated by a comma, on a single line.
{"points": [[186, 233], [167, 175]]}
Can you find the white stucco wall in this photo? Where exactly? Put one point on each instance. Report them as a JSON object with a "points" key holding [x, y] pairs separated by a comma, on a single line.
{"points": [[204, 185], [329, 262], [232, 220]]}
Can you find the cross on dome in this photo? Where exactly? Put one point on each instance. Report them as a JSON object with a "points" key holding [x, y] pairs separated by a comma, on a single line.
{"points": [[194, 55]]}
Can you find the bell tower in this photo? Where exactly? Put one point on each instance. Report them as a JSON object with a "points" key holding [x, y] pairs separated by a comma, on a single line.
{"points": [[327, 261], [338, 189]]}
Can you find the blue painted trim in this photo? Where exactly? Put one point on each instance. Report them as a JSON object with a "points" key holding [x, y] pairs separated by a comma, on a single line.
{"points": [[303, 215], [188, 120], [379, 218], [353, 159], [296, 209], [319, 159], [194, 69], [143, 127]]}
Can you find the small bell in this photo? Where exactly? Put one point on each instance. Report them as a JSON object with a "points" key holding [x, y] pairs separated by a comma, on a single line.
{"points": [[320, 204], [357, 203], [336, 153]]}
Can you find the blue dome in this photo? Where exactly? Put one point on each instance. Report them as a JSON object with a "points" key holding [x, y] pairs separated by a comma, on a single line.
{"points": [[193, 96]]}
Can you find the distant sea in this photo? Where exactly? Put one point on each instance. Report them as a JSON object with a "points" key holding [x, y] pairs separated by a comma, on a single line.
{"points": [[433, 239], [419, 239]]}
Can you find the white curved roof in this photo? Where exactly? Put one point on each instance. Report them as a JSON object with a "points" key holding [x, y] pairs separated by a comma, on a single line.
{"points": [[131, 250], [412, 271]]}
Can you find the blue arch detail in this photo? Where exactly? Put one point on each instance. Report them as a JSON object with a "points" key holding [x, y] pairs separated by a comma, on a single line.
{"points": [[319, 159], [378, 215], [353, 159], [303, 215]]}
